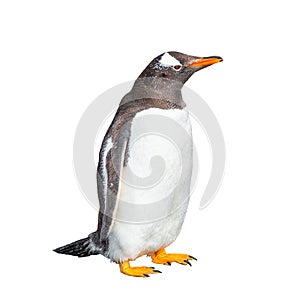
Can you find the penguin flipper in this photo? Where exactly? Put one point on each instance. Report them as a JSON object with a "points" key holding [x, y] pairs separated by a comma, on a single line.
{"points": [[112, 160]]}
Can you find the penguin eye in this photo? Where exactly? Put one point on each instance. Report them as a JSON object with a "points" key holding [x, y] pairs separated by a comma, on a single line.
{"points": [[177, 67]]}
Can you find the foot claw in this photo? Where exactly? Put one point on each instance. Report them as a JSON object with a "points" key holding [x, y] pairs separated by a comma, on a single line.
{"points": [[188, 263], [192, 257], [156, 271]]}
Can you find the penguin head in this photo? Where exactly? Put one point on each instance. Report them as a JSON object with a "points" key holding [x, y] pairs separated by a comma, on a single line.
{"points": [[177, 66]]}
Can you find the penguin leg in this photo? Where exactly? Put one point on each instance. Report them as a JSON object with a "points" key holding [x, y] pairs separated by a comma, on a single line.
{"points": [[161, 257], [125, 268]]}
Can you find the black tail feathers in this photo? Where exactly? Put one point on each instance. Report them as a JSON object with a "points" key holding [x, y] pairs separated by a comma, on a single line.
{"points": [[84, 247]]}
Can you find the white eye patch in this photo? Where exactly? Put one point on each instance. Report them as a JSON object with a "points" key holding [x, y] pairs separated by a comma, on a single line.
{"points": [[168, 60]]}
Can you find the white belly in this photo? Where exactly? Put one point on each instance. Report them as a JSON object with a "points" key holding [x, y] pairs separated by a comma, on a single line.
{"points": [[155, 187]]}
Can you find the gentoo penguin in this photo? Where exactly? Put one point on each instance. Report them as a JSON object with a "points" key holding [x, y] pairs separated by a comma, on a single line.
{"points": [[138, 219]]}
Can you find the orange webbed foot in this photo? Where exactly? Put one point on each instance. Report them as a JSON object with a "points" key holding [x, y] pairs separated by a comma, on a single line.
{"points": [[143, 271], [161, 257]]}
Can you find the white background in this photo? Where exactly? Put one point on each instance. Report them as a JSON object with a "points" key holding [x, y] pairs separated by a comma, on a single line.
{"points": [[57, 56]]}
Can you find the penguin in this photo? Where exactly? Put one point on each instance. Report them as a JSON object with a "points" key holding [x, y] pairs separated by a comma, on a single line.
{"points": [[134, 221]]}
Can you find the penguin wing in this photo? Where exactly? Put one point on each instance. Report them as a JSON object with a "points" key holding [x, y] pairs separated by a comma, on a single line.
{"points": [[112, 160]]}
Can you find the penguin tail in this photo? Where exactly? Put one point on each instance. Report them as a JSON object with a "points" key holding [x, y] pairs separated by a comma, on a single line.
{"points": [[84, 247]]}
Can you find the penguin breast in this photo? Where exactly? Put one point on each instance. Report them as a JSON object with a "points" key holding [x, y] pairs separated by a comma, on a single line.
{"points": [[155, 185]]}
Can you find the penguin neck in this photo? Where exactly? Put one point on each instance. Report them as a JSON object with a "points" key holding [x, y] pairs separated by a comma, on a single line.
{"points": [[158, 88]]}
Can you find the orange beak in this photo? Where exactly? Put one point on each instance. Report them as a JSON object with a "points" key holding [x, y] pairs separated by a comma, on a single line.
{"points": [[206, 61]]}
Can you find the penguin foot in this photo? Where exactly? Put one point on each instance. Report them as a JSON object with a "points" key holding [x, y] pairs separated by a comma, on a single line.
{"points": [[126, 269], [161, 257]]}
